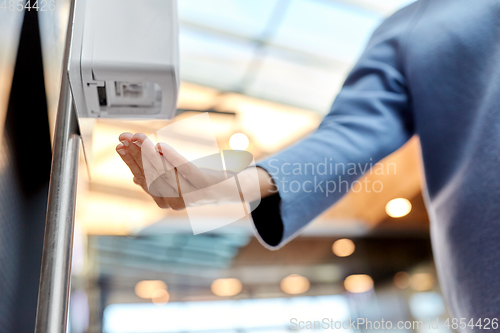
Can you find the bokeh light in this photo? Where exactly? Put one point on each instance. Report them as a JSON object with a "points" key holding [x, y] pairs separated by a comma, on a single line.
{"points": [[239, 141], [226, 287], [358, 283], [295, 284], [402, 280], [422, 281], [160, 297], [145, 289], [398, 207], [343, 247]]}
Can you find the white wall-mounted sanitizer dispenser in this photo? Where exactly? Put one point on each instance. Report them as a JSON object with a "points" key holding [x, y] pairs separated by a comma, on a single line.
{"points": [[124, 60]]}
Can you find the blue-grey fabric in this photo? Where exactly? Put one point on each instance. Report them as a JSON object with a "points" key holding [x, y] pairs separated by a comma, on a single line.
{"points": [[431, 69]]}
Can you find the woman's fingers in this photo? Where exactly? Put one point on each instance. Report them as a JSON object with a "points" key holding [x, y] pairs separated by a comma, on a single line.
{"points": [[160, 184], [175, 203], [186, 169], [130, 151], [147, 165], [136, 181], [132, 164], [135, 152], [125, 138], [149, 151], [185, 186]]}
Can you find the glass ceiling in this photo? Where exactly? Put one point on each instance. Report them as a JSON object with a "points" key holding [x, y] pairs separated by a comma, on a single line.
{"points": [[296, 52]]}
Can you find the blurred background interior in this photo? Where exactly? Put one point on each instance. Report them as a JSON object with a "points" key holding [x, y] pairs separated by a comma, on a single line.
{"points": [[254, 65]]}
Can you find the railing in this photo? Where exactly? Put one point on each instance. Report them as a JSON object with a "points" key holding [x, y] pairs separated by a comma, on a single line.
{"points": [[55, 275]]}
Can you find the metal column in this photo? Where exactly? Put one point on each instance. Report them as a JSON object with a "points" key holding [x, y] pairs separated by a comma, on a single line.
{"points": [[53, 294]]}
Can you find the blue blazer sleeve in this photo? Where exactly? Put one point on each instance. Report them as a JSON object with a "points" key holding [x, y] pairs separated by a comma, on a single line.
{"points": [[369, 119]]}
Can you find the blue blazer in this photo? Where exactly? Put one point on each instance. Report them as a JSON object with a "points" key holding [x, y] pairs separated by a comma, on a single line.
{"points": [[431, 69]]}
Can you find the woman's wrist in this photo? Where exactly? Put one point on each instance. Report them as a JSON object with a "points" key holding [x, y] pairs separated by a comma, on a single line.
{"points": [[258, 179]]}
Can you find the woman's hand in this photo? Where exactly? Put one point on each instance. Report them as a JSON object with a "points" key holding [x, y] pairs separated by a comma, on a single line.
{"points": [[131, 153], [174, 182]]}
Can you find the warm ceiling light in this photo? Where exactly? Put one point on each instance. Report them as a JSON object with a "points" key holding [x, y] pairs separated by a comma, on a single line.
{"points": [[239, 141], [422, 281], [160, 297], [343, 247], [358, 283], [226, 287], [295, 284], [402, 280], [398, 207], [145, 289]]}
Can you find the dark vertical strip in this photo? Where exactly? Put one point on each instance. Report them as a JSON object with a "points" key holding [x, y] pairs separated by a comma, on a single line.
{"points": [[28, 136]]}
